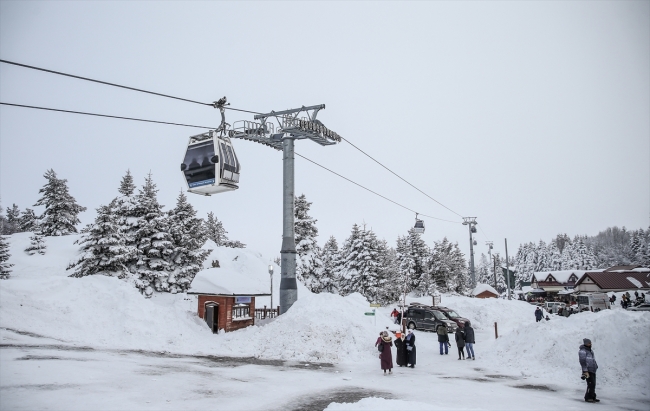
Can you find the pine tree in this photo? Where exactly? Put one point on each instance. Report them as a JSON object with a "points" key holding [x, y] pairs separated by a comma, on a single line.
{"points": [[153, 241], [128, 217], [234, 244], [61, 209], [405, 267], [348, 262], [13, 219], [127, 187], [554, 257], [484, 272], [502, 285], [5, 271], [448, 267], [103, 247], [215, 231], [189, 235], [387, 268], [28, 221], [308, 261], [37, 244], [330, 261], [362, 270]]}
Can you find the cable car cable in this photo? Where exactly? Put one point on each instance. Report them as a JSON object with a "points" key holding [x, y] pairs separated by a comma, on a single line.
{"points": [[398, 176], [103, 115], [206, 127], [374, 192]]}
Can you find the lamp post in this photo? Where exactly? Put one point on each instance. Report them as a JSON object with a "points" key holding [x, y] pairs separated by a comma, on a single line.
{"points": [[271, 275]]}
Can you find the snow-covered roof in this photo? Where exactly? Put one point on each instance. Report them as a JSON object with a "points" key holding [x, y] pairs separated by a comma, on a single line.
{"points": [[241, 272], [560, 276], [482, 288]]}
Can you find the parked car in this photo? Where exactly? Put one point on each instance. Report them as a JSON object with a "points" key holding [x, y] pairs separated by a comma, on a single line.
{"points": [[427, 318], [553, 306], [640, 307], [453, 316]]}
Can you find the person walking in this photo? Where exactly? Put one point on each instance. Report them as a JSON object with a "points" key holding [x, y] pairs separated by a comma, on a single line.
{"points": [[538, 315], [460, 342], [589, 366], [469, 340], [410, 349], [393, 315], [443, 338], [383, 344], [400, 345]]}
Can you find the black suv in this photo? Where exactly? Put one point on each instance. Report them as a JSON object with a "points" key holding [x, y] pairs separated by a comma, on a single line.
{"points": [[424, 317]]}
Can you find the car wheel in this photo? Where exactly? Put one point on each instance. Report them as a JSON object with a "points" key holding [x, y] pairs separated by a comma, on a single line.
{"points": [[411, 326]]}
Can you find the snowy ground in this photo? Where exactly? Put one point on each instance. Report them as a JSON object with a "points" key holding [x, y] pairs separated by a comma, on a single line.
{"points": [[95, 343]]}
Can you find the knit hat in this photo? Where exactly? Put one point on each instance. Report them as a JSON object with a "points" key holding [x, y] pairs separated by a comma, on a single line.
{"points": [[586, 341]]}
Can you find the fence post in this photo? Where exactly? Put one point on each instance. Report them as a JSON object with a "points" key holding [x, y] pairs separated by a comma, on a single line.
{"points": [[277, 313], [496, 331], [265, 312]]}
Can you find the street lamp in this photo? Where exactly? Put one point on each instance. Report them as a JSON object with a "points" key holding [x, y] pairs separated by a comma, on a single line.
{"points": [[271, 275]]}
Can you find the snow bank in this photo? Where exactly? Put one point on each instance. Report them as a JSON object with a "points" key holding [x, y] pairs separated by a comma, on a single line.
{"points": [[550, 348], [102, 311], [378, 404]]}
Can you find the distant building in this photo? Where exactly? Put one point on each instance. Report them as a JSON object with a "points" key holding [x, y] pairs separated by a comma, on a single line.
{"points": [[614, 279], [485, 291], [555, 281]]}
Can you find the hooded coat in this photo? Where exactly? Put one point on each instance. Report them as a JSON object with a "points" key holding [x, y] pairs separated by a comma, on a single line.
{"points": [[400, 344], [460, 338], [386, 356], [587, 359], [410, 354], [469, 333], [443, 336], [539, 314]]}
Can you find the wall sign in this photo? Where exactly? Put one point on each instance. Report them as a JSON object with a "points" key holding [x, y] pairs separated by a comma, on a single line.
{"points": [[242, 300]]}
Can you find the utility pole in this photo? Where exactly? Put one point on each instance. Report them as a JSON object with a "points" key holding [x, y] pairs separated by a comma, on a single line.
{"points": [[490, 247], [282, 137], [471, 222], [507, 269]]}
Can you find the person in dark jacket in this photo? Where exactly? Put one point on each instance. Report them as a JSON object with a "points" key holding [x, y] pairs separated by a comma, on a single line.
{"points": [[538, 314], [385, 354], [443, 338], [460, 342], [589, 366], [469, 340], [410, 349], [400, 344]]}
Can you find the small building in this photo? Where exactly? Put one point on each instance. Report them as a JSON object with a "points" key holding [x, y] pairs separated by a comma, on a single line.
{"points": [[226, 298], [485, 291], [614, 279]]}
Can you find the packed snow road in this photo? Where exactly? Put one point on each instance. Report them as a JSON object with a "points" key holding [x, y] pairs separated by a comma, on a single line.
{"points": [[40, 373]]}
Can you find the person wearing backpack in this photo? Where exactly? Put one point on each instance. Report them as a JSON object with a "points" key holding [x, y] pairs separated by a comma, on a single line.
{"points": [[443, 338], [383, 344]]}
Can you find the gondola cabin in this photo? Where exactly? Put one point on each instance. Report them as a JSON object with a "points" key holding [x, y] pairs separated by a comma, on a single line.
{"points": [[419, 226], [210, 165]]}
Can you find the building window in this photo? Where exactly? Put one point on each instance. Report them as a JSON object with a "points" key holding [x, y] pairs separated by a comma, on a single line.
{"points": [[240, 311]]}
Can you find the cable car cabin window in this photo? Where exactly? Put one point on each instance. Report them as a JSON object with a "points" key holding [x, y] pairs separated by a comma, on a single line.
{"points": [[241, 311], [233, 162], [199, 170]]}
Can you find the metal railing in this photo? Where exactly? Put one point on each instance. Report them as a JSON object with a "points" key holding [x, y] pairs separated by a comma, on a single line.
{"points": [[264, 313]]}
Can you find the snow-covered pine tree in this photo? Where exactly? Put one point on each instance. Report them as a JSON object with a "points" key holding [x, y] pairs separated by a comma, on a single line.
{"points": [[569, 261], [542, 256], [215, 231], [419, 278], [188, 235], [37, 244], [61, 209], [502, 286], [405, 266], [636, 244], [364, 271], [329, 269], [125, 208], [448, 267], [484, 270], [153, 241], [307, 253], [13, 219], [391, 290], [28, 221], [348, 268], [234, 244], [554, 257], [103, 247], [5, 271]]}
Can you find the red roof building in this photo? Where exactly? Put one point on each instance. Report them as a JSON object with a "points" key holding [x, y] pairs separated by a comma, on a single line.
{"points": [[615, 279]]}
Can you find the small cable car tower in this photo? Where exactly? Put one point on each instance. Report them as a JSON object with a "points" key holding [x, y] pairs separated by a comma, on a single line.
{"points": [[279, 130], [471, 222]]}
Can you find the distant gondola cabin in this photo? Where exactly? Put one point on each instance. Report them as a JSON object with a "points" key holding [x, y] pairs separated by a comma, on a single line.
{"points": [[226, 299]]}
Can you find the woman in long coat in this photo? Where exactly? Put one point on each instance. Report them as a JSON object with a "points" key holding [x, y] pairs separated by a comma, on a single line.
{"points": [[410, 348], [401, 349], [460, 343], [385, 356]]}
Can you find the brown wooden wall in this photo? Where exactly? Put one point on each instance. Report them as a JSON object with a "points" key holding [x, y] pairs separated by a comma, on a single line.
{"points": [[485, 294], [224, 316]]}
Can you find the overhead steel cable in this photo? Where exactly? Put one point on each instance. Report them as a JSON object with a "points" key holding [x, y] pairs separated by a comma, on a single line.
{"points": [[374, 192], [398, 176], [103, 115]]}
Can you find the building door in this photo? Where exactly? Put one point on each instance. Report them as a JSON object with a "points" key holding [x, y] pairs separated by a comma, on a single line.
{"points": [[212, 316]]}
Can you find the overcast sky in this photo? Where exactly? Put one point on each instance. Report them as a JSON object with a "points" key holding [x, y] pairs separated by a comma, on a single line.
{"points": [[532, 116]]}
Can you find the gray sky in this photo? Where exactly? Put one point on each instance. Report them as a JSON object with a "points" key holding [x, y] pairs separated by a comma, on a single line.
{"points": [[532, 116]]}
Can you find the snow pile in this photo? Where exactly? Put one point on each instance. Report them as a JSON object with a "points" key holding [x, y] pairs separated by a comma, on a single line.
{"points": [[550, 348], [376, 404], [318, 327]]}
